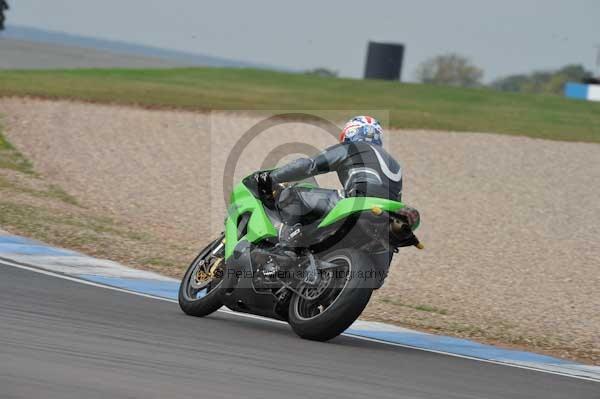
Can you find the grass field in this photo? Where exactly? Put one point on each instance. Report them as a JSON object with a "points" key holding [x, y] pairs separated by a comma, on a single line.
{"points": [[410, 105]]}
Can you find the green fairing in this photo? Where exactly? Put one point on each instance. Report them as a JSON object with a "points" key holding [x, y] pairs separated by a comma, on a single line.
{"points": [[259, 225], [348, 206]]}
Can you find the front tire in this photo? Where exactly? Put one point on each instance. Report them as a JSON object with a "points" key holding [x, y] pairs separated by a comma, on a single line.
{"points": [[339, 304], [199, 293]]}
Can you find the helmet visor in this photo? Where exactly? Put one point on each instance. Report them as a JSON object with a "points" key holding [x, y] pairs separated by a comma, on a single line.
{"points": [[367, 133]]}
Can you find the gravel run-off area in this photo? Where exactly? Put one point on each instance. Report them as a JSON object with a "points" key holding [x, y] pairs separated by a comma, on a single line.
{"points": [[511, 224]]}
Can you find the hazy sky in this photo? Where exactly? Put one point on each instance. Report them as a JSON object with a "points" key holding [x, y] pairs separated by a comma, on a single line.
{"points": [[502, 37]]}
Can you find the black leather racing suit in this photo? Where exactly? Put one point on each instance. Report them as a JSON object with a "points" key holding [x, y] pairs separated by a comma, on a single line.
{"points": [[364, 170]]}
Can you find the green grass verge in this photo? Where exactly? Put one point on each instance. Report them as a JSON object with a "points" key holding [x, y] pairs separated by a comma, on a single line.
{"points": [[12, 159], [68, 230], [35, 208], [50, 191], [410, 105]]}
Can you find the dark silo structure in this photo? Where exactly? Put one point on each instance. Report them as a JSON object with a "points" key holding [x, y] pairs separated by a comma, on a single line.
{"points": [[384, 61]]}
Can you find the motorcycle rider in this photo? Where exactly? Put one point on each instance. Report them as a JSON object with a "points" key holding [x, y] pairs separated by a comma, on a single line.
{"points": [[363, 167]]}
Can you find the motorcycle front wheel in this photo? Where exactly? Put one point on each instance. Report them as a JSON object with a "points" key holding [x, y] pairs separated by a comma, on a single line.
{"points": [[199, 293], [328, 308]]}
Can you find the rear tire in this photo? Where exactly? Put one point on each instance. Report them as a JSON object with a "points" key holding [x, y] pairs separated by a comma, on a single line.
{"points": [[211, 300], [306, 318]]}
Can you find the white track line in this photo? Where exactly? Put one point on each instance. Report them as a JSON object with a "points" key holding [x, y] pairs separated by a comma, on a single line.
{"points": [[251, 316]]}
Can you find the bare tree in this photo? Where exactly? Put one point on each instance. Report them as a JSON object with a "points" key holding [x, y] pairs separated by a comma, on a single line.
{"points": [[450, 69], [3, 8]]}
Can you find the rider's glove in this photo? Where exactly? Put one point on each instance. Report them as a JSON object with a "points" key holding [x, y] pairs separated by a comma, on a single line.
{"points": [[264, 184], [411, 216]]}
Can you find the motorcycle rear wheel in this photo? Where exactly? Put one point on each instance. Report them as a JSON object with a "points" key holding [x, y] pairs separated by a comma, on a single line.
{"points": [[337, 305]]}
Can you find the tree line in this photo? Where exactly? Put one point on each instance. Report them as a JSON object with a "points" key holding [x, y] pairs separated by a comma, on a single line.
{"points": [[456, 70]]}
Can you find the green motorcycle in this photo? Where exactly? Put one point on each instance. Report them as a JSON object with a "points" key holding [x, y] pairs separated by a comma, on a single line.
{"points": [[321, 284]]}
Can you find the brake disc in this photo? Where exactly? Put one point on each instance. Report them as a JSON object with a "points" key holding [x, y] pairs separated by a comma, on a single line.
{"points": [[204, 273]]}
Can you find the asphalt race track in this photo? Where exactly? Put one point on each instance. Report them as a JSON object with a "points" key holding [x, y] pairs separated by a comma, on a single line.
{"points": [[61, 339]]}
